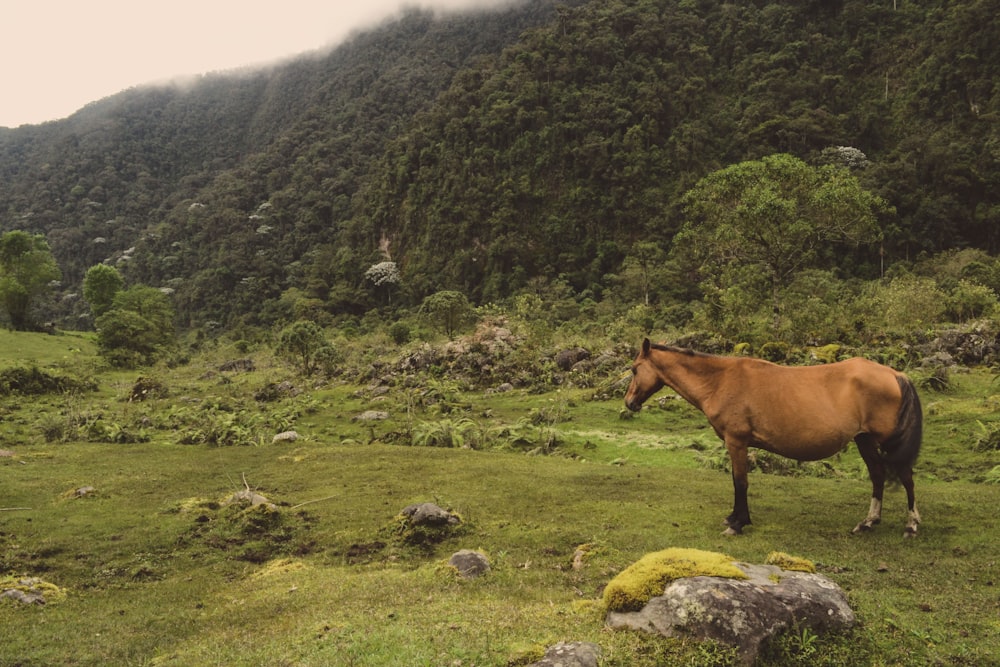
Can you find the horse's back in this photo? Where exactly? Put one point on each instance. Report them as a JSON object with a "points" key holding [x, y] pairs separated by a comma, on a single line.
{"points": [[785, 407]]}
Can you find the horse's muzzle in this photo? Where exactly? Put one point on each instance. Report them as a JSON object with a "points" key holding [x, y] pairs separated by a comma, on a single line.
{"points": [[633, 405]]}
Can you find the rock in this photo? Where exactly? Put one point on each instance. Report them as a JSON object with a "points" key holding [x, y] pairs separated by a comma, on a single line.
{"points": [[6, 454], [84, 491], [743, 613], [239, 365], [31, 590], [30, 597], [371, 416], [146, 387], [570, 654], [566, 359], [470, 564], [285, 436], [248, 497], [429, 514]]}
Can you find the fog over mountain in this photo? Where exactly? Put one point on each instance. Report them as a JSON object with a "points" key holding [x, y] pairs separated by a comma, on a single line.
{"points": [[55, 62]]}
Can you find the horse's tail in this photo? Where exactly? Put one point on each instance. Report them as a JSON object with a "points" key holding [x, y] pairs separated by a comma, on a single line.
{"points": [[903, 446]]}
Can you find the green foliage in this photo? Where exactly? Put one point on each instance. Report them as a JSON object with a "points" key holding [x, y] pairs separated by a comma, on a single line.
{"points": [[969, 300], [448, 311], [138, 329], [400, 333], [34, 381], [546, 148], [445, 433], [753, 227], [305, 346], [100, 286], [905, 303], [27, 269]]}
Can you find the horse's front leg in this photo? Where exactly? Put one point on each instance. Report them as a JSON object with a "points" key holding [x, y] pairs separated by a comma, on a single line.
{"points": [[741, 510], [868, 448]]}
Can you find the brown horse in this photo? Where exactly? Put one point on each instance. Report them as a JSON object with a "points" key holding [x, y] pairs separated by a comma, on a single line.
{"points": [[804, 413]]}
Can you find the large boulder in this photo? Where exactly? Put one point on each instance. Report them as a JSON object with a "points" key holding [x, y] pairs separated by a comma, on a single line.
{"points": [[743, 607]]}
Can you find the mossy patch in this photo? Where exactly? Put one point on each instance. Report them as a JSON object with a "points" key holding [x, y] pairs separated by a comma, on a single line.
{"points": [[30, 590], [649, 576], [787, 562], [279, 566]]}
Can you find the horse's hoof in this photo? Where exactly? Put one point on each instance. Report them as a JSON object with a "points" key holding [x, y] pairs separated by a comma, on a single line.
{"points": [[732, 531], [909, 533]]}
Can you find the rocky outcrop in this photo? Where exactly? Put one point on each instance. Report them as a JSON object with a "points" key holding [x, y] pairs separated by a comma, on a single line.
{"points": [[742, 612]]}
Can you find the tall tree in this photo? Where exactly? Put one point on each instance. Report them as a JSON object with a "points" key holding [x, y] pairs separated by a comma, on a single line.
{"points": [[764, 221], [138, 329], [27, 270], [100, 286]]}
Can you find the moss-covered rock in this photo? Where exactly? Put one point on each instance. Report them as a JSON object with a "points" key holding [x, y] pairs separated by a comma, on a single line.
{"points": [[648, 576], [787, 562]]}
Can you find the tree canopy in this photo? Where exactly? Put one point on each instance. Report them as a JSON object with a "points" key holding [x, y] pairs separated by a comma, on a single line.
{"points": [[27, 270]]}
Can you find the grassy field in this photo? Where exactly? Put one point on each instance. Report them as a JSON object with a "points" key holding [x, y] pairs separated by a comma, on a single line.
{"points": [[151, 568]]}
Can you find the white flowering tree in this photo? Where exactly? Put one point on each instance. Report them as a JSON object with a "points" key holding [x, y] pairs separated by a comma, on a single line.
{"points": [[384, 274]]}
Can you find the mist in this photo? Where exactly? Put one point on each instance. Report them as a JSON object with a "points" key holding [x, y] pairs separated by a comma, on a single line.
{"points": [[54, 63]]}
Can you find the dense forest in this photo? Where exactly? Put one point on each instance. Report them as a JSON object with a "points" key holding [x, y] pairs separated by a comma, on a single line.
{"points": [[542, 149]]}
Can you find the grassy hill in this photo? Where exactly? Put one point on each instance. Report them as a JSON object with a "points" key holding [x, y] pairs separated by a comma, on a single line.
{"points": [[152, 567]]}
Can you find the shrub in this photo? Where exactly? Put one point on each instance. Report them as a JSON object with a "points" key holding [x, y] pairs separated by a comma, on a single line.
{"points": [[774, 351], [400, 333], [33, 381], [304, 345]]}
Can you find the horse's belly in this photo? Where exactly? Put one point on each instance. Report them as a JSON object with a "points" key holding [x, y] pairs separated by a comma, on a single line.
{"points": [[806, 448]]}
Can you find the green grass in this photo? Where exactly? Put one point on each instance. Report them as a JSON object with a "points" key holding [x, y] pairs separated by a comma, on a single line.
{"points": [[18, 347], [156, 575]]}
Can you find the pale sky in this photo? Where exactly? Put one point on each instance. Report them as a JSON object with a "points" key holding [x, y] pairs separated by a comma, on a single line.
{"points": [[58, 55]]}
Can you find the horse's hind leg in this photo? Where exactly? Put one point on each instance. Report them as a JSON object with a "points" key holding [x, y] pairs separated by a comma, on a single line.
{"points": [[741, 510], [913, 520], [868, 447]]}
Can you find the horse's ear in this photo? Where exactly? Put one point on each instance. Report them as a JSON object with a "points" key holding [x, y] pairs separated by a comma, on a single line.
{"points": [[645, 347]]}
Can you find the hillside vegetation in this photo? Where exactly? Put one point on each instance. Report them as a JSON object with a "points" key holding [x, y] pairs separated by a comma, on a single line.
{"points": [[512, 152]]}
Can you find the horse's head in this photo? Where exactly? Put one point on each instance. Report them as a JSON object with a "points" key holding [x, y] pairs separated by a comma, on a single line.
{"points": [[646, 379]]}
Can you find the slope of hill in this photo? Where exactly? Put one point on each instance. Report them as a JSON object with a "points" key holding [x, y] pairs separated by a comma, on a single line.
{"points": [[492, 152]]}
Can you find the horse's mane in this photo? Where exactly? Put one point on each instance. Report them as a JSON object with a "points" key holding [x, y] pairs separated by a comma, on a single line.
{"points": [[679, 350]]}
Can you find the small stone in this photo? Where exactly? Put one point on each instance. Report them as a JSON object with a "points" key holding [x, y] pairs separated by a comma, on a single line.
{"points": [[286, 436], [570, 654], [470, 564], [428, 514], [371, 415]]}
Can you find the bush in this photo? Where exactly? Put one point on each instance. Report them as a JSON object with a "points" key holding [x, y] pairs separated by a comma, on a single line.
{"points": [[400, 333], [33, 381], [304, 345]]}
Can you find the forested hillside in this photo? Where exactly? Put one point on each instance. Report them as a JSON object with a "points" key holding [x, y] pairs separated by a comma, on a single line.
{"points": [[523, 150]]}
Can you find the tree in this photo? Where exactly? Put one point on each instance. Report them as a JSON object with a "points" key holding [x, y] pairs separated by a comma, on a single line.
{"points": [[448, 310], [138, 328], [643, 267], [100, 286], [767, 220], [384, 273], [304, 345], [27, 270]]}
